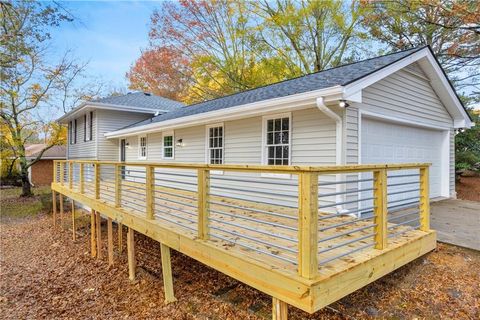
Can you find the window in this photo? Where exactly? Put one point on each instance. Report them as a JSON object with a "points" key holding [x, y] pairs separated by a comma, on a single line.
{"points": [[277, 140], [142, 147], [87, 126], [168, 151], [73, 131], [215, 144]]}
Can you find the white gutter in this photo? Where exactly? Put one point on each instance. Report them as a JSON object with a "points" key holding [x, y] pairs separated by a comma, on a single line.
{"points": [[251, 109], [105, 106], [338, 147]]}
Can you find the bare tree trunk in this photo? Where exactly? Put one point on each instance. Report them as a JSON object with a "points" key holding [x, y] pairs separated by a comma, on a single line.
{"points": [[26, 187]]}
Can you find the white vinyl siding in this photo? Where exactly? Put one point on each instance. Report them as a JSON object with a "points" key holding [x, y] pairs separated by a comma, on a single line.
{"points": [[111, 120], [82, 149]]}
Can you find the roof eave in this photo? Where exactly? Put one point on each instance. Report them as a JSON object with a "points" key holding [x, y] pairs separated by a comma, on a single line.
{"points": [[105, 106], [246, 110]]}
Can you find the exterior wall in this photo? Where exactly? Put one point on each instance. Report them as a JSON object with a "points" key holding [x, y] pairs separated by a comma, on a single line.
{"points": [[313, 141], [42, 172], [99, 148], [453, 193], [83, 149], [406, 95], [109, 120]]}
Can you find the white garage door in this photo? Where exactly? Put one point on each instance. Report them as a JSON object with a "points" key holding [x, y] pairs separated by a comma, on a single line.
{"points": [[386, 142]]}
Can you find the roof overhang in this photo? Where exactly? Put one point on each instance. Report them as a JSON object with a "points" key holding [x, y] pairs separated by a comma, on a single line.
{"points": [[351, 92], [88, 106]]}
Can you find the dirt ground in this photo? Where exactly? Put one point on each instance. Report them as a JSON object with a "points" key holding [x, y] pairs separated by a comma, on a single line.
{"points": [[44, 274], [468, 188]]}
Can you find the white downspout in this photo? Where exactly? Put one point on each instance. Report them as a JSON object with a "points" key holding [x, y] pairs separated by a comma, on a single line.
{"points": [[338, 146]]}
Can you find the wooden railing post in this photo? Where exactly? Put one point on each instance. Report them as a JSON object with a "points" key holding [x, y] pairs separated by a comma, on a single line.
{"points": [[97, 179], [62, 172], [308, 224], [150, 189], [81, 183], [203, 177], [70, 175], [380, 208], [118, 186], [424, 199], [55, 166]]}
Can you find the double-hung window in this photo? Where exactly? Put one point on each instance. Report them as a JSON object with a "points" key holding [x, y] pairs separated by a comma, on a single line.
{"points": [[73, 131], [142, 147], [277, 130], [88, 126], [168, 145], [215, 154]]}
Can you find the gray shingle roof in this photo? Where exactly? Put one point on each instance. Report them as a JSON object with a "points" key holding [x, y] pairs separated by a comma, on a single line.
{"points": [[341, 75], [142, 100]]}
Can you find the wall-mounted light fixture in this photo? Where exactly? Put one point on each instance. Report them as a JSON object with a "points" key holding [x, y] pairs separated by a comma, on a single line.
{"points": [[180, 143], [127, 145], [343, 104]]}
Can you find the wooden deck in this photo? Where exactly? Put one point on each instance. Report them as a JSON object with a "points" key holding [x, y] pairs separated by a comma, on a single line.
{"points": [[263, 245]]}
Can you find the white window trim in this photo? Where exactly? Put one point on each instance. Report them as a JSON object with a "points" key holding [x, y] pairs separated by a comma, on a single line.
{"points": [[264, 143], [207, 149], [140, 148], [166, 134], [88, 127]]}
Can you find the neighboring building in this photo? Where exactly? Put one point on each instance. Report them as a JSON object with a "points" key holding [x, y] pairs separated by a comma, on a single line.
{"points": [[41, 172], [396, 108]]}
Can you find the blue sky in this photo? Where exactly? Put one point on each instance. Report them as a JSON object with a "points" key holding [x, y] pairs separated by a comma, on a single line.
{"points": [[109, 34]]}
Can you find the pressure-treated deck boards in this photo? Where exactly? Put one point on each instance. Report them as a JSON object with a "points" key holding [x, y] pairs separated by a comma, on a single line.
{"points": [[267, 274], [176, 209]]}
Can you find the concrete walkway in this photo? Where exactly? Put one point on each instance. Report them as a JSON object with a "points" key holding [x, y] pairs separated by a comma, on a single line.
{"points": [[457, 222]]}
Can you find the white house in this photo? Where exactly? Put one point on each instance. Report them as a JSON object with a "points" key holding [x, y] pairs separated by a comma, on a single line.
{"points": [[390, 109]]}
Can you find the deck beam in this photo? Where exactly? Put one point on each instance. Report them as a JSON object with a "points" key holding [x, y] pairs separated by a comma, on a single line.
{"points": [[120, 237], [167, 274]]}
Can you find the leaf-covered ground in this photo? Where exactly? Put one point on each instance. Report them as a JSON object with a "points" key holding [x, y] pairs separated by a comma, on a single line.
{"points": [[468, 188], [46, 275]]}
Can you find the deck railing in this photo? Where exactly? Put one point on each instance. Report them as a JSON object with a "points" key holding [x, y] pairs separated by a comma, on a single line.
{"points": [[301, 216]]}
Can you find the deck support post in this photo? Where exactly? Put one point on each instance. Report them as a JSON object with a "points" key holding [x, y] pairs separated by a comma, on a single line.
{"points": [[308, 224], [167, 274], [279, 309], [380, 208], [120, 237], [203, 181], [118, 186], [93, 245], [150, 189], [132, 263], [81, 184], [110, 241], [98, 220], [424, 199], [54, 208], [60, 196], [97, 180], [74, 227]]}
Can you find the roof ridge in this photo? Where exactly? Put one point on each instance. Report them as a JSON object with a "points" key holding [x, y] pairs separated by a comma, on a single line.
{"points": [[309, 74]]}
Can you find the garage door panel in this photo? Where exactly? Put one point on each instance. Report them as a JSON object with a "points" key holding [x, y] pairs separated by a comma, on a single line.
{"points": [[386, 142]]}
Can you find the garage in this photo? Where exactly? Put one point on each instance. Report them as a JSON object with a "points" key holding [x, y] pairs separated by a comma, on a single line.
{"points": [[388, 142]]}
